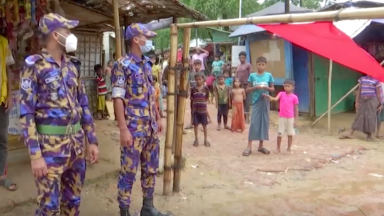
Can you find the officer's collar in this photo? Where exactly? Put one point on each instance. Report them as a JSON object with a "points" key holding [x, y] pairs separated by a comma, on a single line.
{"points": [[49, 58], [137, 59]]}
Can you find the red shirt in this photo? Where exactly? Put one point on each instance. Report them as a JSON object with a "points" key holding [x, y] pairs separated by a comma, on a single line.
{"points": [[210, 80], [101, 87]]}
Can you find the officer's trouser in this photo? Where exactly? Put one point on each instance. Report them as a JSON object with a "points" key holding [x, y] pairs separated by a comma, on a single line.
{"points": [[60, 189], [144, 151]]}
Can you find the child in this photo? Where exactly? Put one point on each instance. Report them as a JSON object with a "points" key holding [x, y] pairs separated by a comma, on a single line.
{"points": [[192, 82], [101, 91], [217, 66], [199, 98], [259, 83], [288, 113], [238, 96], [156, 95], [222, 102], [210, 86], [228, 79]]}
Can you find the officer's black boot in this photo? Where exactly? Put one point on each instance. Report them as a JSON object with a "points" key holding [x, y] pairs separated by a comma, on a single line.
{"points": [[124, 212], [149, 210]]}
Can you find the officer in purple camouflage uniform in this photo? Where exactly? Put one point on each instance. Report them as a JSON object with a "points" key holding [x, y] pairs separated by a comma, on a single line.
{"points": [[138, 119], [55, 118]]}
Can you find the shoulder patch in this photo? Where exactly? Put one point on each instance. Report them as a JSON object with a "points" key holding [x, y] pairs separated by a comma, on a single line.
{"points": [[32, 59], [125, 62]]}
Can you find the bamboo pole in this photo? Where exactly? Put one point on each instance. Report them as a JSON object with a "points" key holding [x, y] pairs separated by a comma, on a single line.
{"points": [[170, 113], [334, 105], [116, 17], [343, 14], [329, 94], [339, 101], [181, 106]]}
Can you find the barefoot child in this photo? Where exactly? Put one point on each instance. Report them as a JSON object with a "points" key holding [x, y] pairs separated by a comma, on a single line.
{"points": [[238, 96], [199, 99], [288, 113], [222, 102], [227, 77], [101, 92], [259, 83], [192, 82]]}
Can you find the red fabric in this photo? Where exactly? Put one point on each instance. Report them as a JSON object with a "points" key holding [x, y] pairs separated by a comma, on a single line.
{"points": [[324, 39]]}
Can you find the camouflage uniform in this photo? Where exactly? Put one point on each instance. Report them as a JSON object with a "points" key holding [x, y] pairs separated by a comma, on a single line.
{"points": [[132, 82], [55, 118]]}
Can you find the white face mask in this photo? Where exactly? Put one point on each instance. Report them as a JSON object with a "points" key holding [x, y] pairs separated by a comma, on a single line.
{"points": [[147, 47], [70, 42]]}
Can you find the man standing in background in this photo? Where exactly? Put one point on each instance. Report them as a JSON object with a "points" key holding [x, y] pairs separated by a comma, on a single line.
{"points": [[201, 54], [6, 104], [242, 73]]}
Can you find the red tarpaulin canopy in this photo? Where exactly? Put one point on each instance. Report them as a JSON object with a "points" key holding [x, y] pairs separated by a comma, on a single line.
{"points": [[324, 39]]}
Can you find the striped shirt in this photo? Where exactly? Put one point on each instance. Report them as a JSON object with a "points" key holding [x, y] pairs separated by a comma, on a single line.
{"points": [[199, 97], [368, 86], [101, 86]]}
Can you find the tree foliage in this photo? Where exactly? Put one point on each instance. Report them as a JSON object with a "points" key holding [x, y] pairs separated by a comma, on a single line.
{"points": [[224, 9]]}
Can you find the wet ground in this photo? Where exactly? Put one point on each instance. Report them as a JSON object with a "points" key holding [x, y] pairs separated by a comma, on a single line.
{"points": [[324, 176]]}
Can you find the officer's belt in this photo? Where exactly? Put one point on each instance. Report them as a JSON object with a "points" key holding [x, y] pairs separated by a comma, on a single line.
{"points": [[58, 130]]}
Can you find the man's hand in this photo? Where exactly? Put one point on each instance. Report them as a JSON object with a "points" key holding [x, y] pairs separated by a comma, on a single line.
{"points": [[380, 108], [126, 138], [93, 153], [39, 167], [8, 103], [159, 126]]}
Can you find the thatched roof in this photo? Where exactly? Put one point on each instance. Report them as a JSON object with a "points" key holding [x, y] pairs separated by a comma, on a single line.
{"points": [[142, 11]]}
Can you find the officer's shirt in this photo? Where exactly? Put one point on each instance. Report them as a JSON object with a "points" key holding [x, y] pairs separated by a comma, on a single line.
{"points": [[132, 82], [50, 95]]}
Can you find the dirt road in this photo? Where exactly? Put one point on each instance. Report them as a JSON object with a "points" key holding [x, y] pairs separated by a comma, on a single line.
{"points": [[324, 176]]}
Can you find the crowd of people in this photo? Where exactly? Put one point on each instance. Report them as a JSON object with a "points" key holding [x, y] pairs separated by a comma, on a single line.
{"points": [[232, 91]]}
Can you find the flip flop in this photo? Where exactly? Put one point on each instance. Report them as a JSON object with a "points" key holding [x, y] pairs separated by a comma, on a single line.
{"points": [[7, 184], [345, 137], [380, 137], [247, 152], [196, 143], [206, 143], [263, 150], [188, 127], [368, 139]]}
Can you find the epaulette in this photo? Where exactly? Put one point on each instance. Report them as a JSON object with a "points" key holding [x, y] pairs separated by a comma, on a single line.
{"points": [[32, 59], [124, 61]]}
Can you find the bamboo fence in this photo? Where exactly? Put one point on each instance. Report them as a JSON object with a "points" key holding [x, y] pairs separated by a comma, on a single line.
{"points": [[181, 106], [170, 113]]}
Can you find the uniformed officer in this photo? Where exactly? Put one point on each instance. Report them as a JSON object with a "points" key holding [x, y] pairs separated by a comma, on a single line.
{"points": [[138, 119], [55, 117]]}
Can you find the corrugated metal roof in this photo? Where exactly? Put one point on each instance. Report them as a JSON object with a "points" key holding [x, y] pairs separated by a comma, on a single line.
{"points": [[279, 8]]}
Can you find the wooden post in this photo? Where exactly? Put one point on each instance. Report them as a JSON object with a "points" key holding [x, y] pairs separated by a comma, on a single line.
{"points": [[286, 9], [170, 113], [329, 94], [116, 17], [181, 106]]}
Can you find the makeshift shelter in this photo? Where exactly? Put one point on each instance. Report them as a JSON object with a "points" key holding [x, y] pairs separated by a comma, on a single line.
{"points": [[286, 18], [285, 59]]}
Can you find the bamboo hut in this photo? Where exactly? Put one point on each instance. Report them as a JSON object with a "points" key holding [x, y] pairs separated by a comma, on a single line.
{"points": [[372, 13]]}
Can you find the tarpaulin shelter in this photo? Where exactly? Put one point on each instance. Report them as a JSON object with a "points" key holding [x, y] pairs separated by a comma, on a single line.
{"points": [[325, 39]]}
